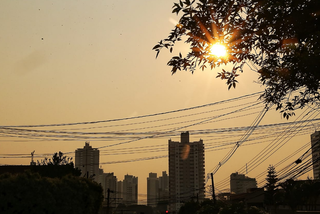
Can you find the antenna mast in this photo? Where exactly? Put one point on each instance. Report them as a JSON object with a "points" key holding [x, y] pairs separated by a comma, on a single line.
{"points": [[32, 162]]}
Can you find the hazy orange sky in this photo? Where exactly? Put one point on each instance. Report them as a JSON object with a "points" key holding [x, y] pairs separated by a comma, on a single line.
{"points": [[79, 61]]}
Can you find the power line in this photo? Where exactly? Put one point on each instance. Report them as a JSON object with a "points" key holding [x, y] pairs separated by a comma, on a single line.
{"points": [[266, 152], [138, 117], [234, 149]]}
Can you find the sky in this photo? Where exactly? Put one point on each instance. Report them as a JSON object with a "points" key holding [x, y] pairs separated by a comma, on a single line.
{"points": [[82, 61]]}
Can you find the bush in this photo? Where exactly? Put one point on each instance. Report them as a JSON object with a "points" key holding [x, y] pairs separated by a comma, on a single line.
{"points": [[31, 193]]}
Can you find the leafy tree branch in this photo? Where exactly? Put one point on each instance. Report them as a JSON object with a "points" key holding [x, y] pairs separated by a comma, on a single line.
{"points": [[280, 38]]}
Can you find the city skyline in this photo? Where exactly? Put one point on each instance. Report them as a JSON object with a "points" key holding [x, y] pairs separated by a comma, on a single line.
{"points": [[142, 193], [83, 63]]}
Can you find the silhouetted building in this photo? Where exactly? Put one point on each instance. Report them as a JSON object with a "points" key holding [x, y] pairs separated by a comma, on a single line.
{"points": [[253, 197], [109, 181], [130, 190], [315, 145], [152, 189], [240, 183], [163, 186], [157, 189], [119, 192], [186, 172], [87, 160]]}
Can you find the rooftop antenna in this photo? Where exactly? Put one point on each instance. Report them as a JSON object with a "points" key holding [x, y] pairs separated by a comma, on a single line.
{"points": [[32, 153]]}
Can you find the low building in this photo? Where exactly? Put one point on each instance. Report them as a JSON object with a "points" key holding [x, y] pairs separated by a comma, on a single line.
{"points": [[240, 183]]}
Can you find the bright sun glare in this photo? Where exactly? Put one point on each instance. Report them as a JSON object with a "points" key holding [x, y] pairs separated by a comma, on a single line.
{"points": [[218, 50]]}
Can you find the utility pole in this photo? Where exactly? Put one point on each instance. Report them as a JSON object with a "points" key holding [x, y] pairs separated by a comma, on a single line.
{"points": [[108, 200], [213, 193]]}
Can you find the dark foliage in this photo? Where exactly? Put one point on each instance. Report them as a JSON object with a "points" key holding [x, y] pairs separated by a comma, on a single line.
{"points": [[58, 166], [189, 208], [57, 160], [297, 194], [209, 207], [31, 193], [271, 179], [271, 185], [56, 171], [278, 38]]}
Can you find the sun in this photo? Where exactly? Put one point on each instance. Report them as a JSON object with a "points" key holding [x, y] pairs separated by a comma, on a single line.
{"points": [[218, 50]]}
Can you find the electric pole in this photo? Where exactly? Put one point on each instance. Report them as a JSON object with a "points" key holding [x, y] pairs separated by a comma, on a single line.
{"points": [[108, 200], [213, 193]]}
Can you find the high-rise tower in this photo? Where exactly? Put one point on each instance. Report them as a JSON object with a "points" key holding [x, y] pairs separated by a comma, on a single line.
{"points": [[186, 172], [109, 181], [152, 189], [164, 186], [130, 190], [315, 145], [87, 160]]}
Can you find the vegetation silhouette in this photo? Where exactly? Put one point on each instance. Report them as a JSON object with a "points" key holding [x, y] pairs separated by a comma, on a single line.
{"points": [[31, 193], [277, 39], [271, 186], [51, 186], [220, 207], [58, 166]]}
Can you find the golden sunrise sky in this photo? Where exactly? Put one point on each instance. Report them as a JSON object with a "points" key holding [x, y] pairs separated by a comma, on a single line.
{"points": [[78, 61]]}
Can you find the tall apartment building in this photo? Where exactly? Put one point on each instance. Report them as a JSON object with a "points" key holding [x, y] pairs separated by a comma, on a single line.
{"points": [[157, 188], [87, 160], [315, 145], [119, 192], [164, 186], [240, 183], [186, 172], [109, 181], [130, 190], [152, 189]]}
